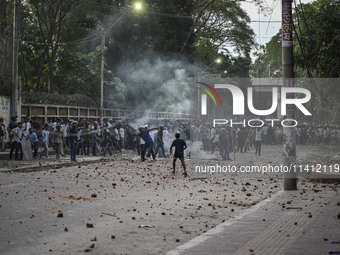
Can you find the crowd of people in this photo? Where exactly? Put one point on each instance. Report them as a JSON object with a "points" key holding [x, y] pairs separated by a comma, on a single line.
{"points": [[92, 138], [83, 137], [242, 139]]}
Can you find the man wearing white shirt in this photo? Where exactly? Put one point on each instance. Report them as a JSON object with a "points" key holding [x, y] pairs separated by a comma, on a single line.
{"points": [[122, 137], [258, 141], [26, 126], [18, 136], [141, 144]]}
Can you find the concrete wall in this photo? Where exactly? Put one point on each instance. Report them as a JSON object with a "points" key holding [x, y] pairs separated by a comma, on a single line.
{"points": [[43, 113]]}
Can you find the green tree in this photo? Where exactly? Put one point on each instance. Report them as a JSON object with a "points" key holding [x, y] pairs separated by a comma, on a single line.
{"points": [[223, 25], [316, 51], [318, 27], [268, 60], [60, 42], [42, 26]]}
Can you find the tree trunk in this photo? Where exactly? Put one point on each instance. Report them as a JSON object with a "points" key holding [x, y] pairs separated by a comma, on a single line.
{"points": [[5, 48]]}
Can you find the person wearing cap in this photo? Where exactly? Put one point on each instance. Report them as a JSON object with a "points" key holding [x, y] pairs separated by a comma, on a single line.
{"points": [[160, 141]]}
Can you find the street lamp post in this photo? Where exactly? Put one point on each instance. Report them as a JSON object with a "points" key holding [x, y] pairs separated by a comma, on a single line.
{"points": [[289, 137], [102, 51]]}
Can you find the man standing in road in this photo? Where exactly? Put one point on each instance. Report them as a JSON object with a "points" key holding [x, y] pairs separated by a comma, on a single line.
{"points": [[73, 140], [258, 141], [2, 135], [18, 136], [160, 142], [122, 137], [32, 136], [180, 146]]}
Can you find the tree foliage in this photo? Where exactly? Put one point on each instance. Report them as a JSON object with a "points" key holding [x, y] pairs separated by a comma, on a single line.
{"points": [[60, 44], [316, 55], [316, 43], [318, 27]]}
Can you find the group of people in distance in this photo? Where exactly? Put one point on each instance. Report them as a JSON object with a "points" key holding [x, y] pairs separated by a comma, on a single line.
{"points": [[82, 137], [99, 137]]}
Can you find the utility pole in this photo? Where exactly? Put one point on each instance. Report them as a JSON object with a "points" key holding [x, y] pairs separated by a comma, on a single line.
{"points": [[102, 49], [198, 97], [15, 80], [289, 139]]}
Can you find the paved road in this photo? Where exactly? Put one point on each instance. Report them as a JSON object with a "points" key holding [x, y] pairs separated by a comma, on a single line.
{"points": [[118, 196], [292, 223]]}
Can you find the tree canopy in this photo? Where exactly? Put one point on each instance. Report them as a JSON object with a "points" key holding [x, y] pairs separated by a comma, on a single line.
{"points": [[316, 43], [60, 44], [316, 55]]}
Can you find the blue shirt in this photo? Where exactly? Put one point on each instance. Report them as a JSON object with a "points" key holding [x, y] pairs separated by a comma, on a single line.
{"points": [[33, 137], [146, 136], [46, 136]]}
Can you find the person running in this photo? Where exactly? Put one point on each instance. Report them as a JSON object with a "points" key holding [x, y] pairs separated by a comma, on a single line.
{"points": [[18, 136], [180, 146]]}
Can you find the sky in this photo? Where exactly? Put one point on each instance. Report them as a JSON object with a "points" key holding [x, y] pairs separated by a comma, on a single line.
{"points": [[265, 31]]}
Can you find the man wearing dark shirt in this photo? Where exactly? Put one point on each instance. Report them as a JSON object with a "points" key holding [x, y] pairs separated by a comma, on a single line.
{"points": [[180, 146], [224, 144], [144, 134], [73, 140]]}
